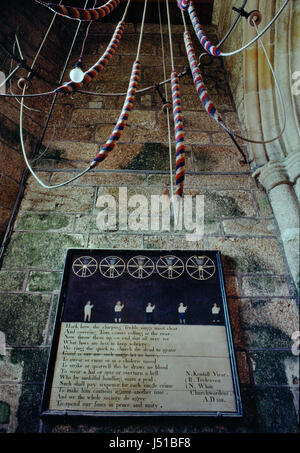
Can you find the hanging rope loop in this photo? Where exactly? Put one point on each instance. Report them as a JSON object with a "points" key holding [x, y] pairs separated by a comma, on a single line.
{"points": [[214, 50], [82, 14], [127, 107], [94, 70], [179, 134], [128, 103], [204, 41]]}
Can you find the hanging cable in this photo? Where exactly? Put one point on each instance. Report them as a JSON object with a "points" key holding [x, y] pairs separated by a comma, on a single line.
{"points": [[141, 32], [28, 163], [33, 95], [178, 130], [44, 40], [86, 36], [233, 25], [34, 60], [93, 93], [209, 105], [213, 50], [167, 109], [229, 31], [264, 142], [228, 54]]}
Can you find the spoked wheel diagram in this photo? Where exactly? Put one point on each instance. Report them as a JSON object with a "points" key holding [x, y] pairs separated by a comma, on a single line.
{"points": [[140, 266], [85, 266], [200, 267], [170, 266], [112, 267]]}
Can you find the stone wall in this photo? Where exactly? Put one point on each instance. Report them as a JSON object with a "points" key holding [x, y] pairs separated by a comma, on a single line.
{"points": [[238, 221]]}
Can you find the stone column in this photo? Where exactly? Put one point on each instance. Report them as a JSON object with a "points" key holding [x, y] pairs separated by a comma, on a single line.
{"points": [[279, 161]]}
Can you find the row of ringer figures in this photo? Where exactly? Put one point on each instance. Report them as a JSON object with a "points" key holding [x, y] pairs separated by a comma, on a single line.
{"points": [[118, 308]]}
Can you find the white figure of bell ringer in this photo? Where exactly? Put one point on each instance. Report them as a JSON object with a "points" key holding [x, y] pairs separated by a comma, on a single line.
{"points": [[118, 309], [88, 311], [215, 311]]}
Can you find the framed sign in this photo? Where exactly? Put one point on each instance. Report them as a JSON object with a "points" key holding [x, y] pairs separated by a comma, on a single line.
{"points": [[142, 332]]}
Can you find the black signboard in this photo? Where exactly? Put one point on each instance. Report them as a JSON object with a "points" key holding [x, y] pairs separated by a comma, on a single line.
{"points": [[142, 332]]}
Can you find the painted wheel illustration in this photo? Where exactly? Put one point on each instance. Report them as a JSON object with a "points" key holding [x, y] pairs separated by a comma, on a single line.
{"points": [[112, 267], [85, 266], [200, 267], [140, 266], [170, 267]]}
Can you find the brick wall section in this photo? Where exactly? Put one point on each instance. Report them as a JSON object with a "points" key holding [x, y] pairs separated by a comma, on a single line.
{"points": [[239, 223], [30, 25]]}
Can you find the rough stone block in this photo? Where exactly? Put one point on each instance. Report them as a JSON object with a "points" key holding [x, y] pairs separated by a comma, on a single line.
{"points": [[268, 323], [115, 241], [43, 221], [8, 192], [199, 121], [41, 250], [5, 214], [243, 368], [194, 138], [78, 150], [170, 242], [32, 361], [279, 403], [218, 204], [43, 281], [18, 315], [269, 367], [61, 199], [71, 132], [257, 255], [251, 227], [265, 285], [103, 133], [11, 162], [217, 158], [11, 281]]}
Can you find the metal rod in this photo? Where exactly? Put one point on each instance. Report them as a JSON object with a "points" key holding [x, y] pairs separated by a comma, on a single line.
{"points": [[19, 48], [238, 147], [11, 75]]}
